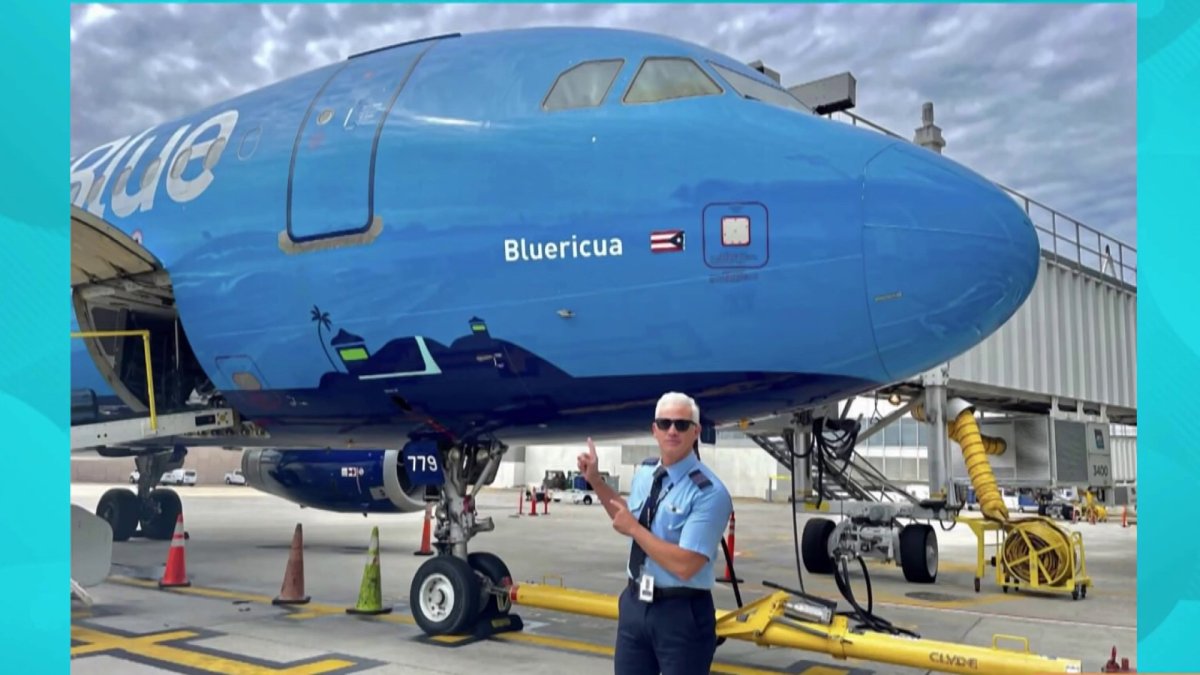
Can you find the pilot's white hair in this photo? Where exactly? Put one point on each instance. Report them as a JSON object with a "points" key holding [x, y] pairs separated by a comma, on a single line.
{"points": [[675, 398]]}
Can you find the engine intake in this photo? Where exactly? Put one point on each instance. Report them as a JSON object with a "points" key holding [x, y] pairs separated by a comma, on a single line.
{"points": [[343, 481]]}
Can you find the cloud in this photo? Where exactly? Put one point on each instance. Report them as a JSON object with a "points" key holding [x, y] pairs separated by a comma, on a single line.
{"points": [[1041, 98]]}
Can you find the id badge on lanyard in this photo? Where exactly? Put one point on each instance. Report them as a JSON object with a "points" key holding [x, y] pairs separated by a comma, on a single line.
{"points": [[646, 588]]}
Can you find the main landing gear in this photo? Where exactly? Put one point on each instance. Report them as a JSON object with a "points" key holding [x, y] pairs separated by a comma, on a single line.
{"points": [[153, 510], [456, 592]]}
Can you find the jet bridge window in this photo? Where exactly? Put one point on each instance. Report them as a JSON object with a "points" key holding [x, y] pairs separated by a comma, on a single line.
{"points": [[583, 86], [664, 78], [749, 87]]}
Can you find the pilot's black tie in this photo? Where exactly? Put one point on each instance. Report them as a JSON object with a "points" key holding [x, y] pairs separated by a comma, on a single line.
{"points": [[637, 557]]}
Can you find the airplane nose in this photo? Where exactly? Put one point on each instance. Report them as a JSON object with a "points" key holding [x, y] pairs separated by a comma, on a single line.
{"points": [[948, 257]]}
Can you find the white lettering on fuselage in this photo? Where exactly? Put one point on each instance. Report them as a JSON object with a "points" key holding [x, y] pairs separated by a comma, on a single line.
{"points": [[112, 164], [526, 251]]}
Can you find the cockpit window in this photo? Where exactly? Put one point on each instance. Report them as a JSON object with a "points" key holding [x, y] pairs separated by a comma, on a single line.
{"points": [[583, 86], [749, 87], [663, 78]]}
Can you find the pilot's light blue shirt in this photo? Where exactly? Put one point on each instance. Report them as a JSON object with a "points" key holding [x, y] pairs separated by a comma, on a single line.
{"points": [[693, 513]]}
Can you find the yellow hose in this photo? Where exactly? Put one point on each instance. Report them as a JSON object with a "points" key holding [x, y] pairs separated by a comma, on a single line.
{"points": [[1051, 548], [1031, 545], [965, 432], [994, 446]]}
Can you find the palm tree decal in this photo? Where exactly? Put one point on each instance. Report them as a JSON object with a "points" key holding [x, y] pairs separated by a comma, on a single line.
{"points": [[322, 321]]}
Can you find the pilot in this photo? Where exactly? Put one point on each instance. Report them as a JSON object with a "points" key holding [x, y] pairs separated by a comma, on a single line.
{"points": [[676, 513]]}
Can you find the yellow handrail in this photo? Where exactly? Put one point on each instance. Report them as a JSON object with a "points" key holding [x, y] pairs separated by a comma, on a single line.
{"points": [[145, 335]]}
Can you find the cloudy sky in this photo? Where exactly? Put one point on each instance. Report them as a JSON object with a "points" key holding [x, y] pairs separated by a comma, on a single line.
{"points": [[1041, 98]]}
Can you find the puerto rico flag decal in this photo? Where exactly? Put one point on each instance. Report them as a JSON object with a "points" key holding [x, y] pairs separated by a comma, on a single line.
{"points": [[666, 241]]}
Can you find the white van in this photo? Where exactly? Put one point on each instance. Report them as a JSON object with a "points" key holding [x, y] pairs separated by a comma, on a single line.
{"points": [[179, 477]]}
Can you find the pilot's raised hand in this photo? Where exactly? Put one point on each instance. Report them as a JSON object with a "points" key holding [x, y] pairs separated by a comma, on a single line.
{"points": [[588, 463]]}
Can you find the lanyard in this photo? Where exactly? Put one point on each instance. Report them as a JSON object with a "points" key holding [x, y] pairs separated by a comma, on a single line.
{"points": [[657, 503]]}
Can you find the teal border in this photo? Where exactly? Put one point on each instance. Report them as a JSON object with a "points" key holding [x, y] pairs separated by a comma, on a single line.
{"points": [[34, 375], [34, 530], [1169, 330]]}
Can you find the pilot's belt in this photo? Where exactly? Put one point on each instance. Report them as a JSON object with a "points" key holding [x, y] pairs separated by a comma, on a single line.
{"points": [[670, 593]]}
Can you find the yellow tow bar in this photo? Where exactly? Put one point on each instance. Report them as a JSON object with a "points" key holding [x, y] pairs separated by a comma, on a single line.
{"points": [[764, 623]]}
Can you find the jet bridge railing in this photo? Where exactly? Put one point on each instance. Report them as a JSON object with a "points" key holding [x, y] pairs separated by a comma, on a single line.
{"points": [[145, 335], [1059, 234]]}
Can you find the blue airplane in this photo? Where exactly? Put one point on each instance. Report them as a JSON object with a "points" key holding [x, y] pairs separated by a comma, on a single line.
{"points": [[521, 236]]}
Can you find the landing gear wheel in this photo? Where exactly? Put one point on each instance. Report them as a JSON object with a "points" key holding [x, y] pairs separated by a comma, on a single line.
{"points": [[977, 585], [492, 567], [121, 508], [919, 553], [814, 546], [444, 595], [158, 519]]}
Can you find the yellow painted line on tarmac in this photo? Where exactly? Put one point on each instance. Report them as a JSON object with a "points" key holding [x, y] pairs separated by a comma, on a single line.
{"points": [[149, 646], [557, 643], [314, 610], [193, 590], [567, 644]]}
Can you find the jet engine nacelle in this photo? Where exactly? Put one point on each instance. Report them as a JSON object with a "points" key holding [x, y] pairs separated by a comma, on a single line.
{"points": [[345, 481]]}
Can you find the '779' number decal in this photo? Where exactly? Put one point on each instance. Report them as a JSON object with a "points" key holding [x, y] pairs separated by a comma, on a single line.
{"points": [[421, 463]]}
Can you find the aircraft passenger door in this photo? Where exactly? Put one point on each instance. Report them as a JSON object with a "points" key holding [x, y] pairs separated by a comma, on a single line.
{"points": [[331, 182]]}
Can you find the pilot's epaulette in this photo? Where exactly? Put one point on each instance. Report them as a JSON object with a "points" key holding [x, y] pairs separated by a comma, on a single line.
{"points": [[700, 479], [650, 461]]}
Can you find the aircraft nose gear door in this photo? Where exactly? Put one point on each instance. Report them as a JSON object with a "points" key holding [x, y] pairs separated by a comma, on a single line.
{"points": [[331, 182]]}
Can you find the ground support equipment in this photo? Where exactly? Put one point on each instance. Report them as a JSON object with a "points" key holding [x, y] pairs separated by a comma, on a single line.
{"points": [[784, 619]]}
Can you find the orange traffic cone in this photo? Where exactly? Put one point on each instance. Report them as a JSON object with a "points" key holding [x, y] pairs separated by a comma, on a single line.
{"points": [[175, 573], [729, 543], [425, 549], [292, 591]]}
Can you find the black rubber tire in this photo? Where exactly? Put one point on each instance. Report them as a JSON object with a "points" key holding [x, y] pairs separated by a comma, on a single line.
{"points": [[587, 499], [466, 589], [491, 566], [914, 558], [121, 508], [814, 546], [158, 519]]}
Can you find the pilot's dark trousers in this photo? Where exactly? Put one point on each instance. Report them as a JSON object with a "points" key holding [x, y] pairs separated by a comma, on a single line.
{"points": [[674, 635]]}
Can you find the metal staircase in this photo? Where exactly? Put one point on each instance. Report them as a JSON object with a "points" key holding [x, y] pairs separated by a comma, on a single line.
{"points": [[847, 476]]}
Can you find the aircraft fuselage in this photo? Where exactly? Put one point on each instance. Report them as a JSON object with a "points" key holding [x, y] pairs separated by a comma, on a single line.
{"points": [[410, 240]]}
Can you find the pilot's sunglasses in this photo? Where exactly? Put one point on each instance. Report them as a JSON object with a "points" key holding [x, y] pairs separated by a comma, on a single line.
{"points": [[664, 424]]}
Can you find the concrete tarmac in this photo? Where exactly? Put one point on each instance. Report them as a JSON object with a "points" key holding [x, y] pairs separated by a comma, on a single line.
{"points": [[238, 548]]}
